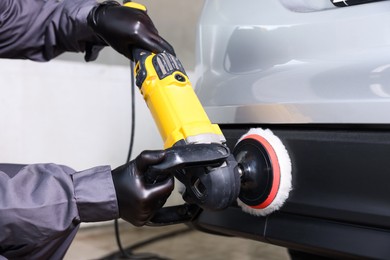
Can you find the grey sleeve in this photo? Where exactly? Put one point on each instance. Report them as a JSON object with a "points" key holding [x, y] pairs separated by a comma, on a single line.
{"points": [[42, 205], [43, 29]]}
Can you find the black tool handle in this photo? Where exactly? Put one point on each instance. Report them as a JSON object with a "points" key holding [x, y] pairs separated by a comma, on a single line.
{"points": [[193, 155], [186, 156]]}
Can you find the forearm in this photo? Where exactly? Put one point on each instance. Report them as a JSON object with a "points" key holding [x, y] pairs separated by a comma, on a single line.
{"points": [[41, 30], [46, 202]]}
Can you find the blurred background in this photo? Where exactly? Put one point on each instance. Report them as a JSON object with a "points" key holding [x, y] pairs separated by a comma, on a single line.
{"points": [[78, 114], [75, 113]]}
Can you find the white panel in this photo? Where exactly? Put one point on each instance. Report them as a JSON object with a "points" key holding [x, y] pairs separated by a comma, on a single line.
{"points": [[70, 113]]}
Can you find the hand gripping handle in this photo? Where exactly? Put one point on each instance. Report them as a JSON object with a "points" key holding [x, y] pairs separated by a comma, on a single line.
{"points": [[208, 174]]}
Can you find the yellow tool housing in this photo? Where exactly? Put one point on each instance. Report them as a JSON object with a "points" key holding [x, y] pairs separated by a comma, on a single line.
{"points": [[172, 101]]}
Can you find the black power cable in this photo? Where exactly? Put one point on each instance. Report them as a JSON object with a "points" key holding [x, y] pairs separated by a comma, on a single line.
{"points": [[133, 86], [132, 131], [127, 253], [143, 256], [160, 237]]}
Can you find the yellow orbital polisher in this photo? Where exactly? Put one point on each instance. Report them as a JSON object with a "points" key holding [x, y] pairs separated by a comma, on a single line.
{"points": [[196, 150], [206, 168]]}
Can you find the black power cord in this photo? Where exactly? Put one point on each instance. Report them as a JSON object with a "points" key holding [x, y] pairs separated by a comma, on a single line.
{"points": [[146, 256], [126, 253], [133, 86]]}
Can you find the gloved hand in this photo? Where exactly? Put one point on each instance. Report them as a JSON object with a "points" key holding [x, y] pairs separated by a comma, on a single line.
{"points": [[124, 28], [137, 199]]}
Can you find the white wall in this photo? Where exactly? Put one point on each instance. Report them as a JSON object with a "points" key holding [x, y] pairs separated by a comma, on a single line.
{"points": [[70, 113]]}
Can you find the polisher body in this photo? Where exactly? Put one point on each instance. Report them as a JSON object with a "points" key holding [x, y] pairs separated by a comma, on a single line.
{"points": [[173, 103], [182, 121]]}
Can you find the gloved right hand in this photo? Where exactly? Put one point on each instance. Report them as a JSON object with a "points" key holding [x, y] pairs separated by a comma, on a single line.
{"points": [[138, 200], [125, 28]]}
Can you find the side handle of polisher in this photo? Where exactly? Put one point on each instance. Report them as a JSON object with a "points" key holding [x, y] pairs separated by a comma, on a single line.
{"points": [[187, 156], [177, 159]]}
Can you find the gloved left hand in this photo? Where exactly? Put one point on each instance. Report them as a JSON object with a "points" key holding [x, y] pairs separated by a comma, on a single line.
{"points": [[125, 28], [137, 199]]}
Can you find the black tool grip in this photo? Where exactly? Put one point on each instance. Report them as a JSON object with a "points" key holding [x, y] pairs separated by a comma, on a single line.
{"points": [[186, 156], [193, 155]]}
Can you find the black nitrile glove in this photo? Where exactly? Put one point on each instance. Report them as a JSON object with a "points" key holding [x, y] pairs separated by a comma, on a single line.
{"points": [[125, 28], [137, 199]]}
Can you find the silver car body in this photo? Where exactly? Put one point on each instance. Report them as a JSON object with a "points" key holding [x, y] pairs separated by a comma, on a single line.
{"points": [[294, 61]]}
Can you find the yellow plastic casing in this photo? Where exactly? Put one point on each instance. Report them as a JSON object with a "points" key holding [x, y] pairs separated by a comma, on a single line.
{"points": [[135, 6], [176, 109]]}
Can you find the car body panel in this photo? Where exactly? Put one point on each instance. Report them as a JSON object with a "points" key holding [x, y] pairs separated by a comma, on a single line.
{"points": [[264, 61], [318, 76], [340, 194]]}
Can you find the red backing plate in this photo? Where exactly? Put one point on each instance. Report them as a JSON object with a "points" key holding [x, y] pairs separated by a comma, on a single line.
{"points": [[275, 169]]}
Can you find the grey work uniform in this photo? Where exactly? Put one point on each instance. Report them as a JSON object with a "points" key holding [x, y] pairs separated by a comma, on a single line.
{"points": [[42, 205]]}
